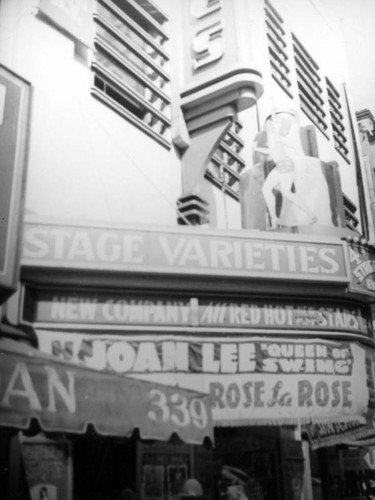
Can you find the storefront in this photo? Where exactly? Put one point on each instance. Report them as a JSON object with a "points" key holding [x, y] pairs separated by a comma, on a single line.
{"points": [[271, 336], [67, 410]]}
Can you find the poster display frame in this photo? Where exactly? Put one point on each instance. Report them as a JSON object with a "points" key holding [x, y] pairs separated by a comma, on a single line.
{"points": [[39, 471]]}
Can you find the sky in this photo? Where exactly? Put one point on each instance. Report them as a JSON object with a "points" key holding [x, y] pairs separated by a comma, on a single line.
{"points": [[357, 18]]}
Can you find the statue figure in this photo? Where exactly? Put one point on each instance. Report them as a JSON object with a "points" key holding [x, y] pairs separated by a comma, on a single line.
{"points": [[296, 189]]}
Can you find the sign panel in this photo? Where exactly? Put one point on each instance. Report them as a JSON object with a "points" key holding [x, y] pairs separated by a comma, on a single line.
{"points": [[125, 311], [64, 397], [216, 62], [334, 433], [250, 382], [189, 252], [14, 116], [362, 266], [49, 469], [73, 16]]}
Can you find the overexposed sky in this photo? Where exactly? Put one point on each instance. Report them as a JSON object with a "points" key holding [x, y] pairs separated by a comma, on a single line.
{"points": [[357, 18]]}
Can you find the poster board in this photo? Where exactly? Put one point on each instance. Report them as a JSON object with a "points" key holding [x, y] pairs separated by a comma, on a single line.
{"points": [[48, 468], [163, 469], [15, 98]]}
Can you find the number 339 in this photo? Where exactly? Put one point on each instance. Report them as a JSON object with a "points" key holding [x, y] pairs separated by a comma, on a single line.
{"points": [[177, 409]]}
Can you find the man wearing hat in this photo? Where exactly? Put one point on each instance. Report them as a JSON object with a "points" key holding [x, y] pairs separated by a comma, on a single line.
{"points": [[237, 485]]}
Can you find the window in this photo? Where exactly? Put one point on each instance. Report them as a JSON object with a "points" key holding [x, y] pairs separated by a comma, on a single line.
{"points": [[277, 48], [226, 164], [337, 120], [130, 64], [309, 86]]}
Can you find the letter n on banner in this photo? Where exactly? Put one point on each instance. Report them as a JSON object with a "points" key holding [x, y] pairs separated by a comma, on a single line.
{"points": [[14, 122]]}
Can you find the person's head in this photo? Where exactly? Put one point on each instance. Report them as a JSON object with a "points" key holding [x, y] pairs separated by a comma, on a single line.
{"points": [[192, 487], [281, 122], [233, 483], [126, 494]]}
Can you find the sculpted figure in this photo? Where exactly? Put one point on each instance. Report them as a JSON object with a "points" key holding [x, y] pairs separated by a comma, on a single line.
{"points": [[295, 189], [285, 149]]}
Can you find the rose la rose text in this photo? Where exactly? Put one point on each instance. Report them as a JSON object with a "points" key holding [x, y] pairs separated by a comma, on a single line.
{"points": [[258, 394], [113, 247]]}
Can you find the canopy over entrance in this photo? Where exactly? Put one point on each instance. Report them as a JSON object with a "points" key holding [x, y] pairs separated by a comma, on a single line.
{"points": [[67, 398]]}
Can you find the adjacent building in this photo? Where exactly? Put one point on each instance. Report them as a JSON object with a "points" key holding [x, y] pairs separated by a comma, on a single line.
{"points": [[187, 235]]}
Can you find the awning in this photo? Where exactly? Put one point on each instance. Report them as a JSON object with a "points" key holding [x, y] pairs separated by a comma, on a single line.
{"points": [[64, 397]]}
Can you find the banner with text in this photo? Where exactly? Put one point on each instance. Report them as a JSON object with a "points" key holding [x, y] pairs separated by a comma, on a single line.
{"points": [[254, 381], [110, 310], [188, 252], [334, 433], [362, 264], [15, 98]]}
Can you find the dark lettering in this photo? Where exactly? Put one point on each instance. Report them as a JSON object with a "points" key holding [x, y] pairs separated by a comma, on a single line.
{"points": [[216, 394], [346, 393], [305, 391], [259, 391], [336, 393], [247, 391], [233, 396], [321, 393]]}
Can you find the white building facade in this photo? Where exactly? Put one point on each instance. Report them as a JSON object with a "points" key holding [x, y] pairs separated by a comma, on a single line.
{"points": [[188, 207]]}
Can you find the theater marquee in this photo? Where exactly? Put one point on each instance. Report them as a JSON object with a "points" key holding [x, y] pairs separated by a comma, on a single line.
{"points": [[119, 311], [257, 381], [186, 252], [14, 123]]}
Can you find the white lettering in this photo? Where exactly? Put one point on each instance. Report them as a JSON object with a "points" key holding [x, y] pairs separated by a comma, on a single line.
{"points": [[67, 394], [107, 251], [26, 391], [121, 357], [229, 358], [172, 254], [175, 356], [327, 256], [209, 364], [132, 249], [34, 245], [147, 358]]}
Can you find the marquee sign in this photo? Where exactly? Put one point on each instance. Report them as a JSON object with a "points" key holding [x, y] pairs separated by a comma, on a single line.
{"points": [[258, 381], [215, 67], [334, 433], [219, 80], [110, 310], [14, 116], [172, 251], [362, 265]]}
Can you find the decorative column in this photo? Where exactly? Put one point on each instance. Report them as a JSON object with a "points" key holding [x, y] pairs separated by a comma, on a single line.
{"points": [[220, 81]]}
